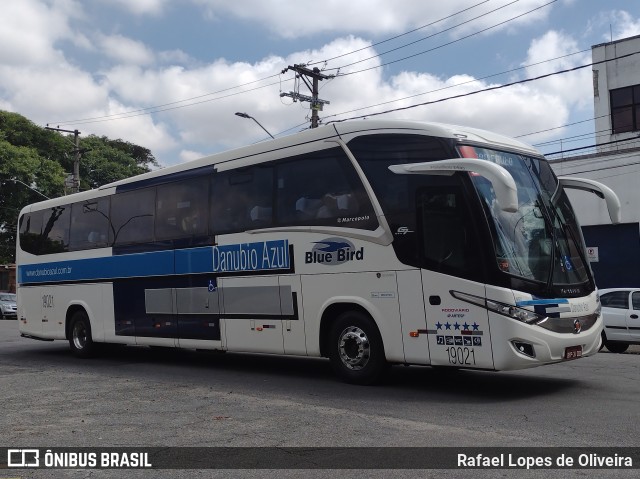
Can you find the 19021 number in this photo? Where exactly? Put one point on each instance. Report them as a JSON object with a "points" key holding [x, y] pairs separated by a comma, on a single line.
{"points": [[47, 301], [461, 355]]}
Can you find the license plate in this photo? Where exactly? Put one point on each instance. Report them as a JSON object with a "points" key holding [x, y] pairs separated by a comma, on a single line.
{"points": [[573, 352]]}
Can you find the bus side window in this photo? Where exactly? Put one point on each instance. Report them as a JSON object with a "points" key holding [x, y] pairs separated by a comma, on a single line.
{"points": [[89, 224], [30, 232], [321, 188], [55, 231], [132, 215], [181, 209], [449, 244], [242, 199]]}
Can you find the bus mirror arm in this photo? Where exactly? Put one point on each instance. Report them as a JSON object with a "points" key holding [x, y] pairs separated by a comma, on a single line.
{"points": [[503, 183], [611, 199]]}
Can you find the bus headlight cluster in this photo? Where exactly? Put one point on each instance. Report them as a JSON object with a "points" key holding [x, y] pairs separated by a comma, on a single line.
{"points": [[508, 310], [598, 306]]}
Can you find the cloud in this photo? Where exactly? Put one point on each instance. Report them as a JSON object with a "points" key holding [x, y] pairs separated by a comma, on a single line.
{"points": [[188, 155], [616, 24], [141, 7], [125, 50], [375, 17], [30, 36], [624, 25], [575, 88], [178, 106]]}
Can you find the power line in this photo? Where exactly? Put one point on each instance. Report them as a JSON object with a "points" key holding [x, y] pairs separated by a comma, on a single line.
{"points": [[574, 138], [603, 168], [561, 126], [460, 84], [427, 37], [397, 36], [498, 87], [145, 111], [593, 146], [448, 43], [161, 108]]}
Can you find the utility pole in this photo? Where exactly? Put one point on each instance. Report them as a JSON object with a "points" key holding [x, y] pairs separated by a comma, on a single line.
{"points": [[76, 159], [316, 104]]}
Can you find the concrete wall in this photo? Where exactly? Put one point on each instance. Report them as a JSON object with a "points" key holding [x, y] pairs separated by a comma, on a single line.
{"points": [[620, 171]]}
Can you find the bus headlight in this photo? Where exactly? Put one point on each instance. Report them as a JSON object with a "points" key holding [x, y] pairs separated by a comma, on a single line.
{"points": [[508, 310]]}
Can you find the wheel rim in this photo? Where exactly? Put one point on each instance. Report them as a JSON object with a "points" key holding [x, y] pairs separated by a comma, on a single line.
{"points": [[354, 348], [79, 335]]}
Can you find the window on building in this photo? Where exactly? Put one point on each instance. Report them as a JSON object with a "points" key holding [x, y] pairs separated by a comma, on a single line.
{"points": [[625, 109]]}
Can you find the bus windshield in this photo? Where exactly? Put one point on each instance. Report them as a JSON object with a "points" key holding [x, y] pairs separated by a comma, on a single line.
{"points": [[541, 240]]}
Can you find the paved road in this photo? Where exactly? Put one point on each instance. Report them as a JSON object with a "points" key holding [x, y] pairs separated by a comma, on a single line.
{"points": [[141, 397]]}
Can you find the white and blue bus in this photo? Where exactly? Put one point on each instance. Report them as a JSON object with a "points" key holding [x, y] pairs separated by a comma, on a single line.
{"points": [[367, 242]]}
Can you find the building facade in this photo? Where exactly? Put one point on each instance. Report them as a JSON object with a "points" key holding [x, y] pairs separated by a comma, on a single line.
{"points": [[615, 162], [8, 278]]}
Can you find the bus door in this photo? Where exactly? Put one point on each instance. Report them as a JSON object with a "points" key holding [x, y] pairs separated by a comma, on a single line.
{"points": [[252, 314], [633, 323], [30, 301], [458, 331], [292, 315]]}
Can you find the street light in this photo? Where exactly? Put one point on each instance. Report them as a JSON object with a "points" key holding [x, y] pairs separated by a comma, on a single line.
{"points": [[15, 180], [244, 115]]}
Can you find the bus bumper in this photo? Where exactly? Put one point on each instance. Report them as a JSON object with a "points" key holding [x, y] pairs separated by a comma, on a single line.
{"points": [[519, 346]]}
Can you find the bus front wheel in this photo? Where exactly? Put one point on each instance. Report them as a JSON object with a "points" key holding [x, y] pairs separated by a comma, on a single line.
{"points": [[80, 340], [356, 350]]}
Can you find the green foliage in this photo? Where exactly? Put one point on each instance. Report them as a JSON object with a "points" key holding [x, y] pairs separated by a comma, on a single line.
{"points": [[40, 158], [106, 161]]}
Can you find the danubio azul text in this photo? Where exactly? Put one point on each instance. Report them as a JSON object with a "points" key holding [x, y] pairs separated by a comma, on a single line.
{"points": [[259, 256]]}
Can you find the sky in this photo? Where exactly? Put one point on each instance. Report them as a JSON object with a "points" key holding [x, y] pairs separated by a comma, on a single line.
{"points": [[169, 75]]}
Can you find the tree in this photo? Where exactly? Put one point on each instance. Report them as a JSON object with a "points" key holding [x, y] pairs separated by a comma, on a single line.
{"points": [[23, 172], [34, 159], [105, 161]]}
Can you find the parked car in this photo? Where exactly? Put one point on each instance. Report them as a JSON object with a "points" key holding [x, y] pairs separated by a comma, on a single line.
{"points": [[8, 305], [621, 314]]}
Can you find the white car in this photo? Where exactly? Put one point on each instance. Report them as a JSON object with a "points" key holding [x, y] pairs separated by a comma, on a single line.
{"points": [[621, 314], [8, 305]]}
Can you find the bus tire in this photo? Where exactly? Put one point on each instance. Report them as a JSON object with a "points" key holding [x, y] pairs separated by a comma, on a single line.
{"points": [[356, 351], [80, 340], [616, 347]]}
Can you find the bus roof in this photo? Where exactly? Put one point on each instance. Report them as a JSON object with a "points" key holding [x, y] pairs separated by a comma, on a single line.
{"points": [[331, 131], [335, 130]]}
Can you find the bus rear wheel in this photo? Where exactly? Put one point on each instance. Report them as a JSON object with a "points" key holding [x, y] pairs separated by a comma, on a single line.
{"points": [[80, 339], [356, 350]]}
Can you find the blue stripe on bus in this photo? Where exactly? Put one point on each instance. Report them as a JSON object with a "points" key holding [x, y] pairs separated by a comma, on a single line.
{"points": [[158, 263], [233, 258], [539, 302]]}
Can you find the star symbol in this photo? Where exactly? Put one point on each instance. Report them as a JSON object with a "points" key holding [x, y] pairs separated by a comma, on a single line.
{"points": [[457, 325], [465, 326], [438, 325], [447, 325], [475, 326]]}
